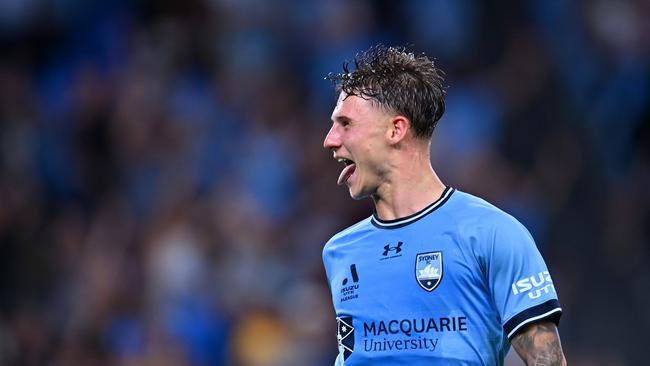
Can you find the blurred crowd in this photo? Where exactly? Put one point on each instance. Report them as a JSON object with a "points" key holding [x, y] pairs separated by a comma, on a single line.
{"points": [[164, 193]]}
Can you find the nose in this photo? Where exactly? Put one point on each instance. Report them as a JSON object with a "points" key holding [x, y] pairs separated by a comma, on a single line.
{"points": [[333, 138]]}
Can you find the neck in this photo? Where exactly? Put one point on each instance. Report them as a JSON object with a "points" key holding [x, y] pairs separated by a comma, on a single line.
{"points": [[412, 186]]}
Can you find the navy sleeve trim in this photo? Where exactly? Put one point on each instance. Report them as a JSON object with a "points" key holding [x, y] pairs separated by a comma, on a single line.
{"points": [[549, 310]]}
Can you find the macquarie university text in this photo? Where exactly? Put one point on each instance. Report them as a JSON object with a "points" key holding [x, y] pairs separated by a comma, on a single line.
{"points": [[416, 333]]}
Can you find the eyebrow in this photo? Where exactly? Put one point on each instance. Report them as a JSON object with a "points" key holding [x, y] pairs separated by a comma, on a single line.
{"points": [[342, 119]]}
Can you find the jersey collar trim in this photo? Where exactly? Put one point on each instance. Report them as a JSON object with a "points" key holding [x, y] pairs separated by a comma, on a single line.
{"points": [[397, 223]]}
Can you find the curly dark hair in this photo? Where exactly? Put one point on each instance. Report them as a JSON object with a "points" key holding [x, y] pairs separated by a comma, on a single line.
{"points": [[398, 81]]}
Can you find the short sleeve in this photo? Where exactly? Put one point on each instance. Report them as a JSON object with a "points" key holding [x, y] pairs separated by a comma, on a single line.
{"points": [[519, 280]]}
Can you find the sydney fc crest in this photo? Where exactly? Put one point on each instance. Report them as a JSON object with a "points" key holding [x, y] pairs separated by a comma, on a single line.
{"points": [[428, 270]]}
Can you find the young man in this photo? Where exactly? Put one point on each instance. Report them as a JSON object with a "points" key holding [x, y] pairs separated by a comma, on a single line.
{"points": [[435, 275]]}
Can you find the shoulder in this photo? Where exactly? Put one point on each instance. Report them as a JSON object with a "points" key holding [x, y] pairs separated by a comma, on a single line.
{"points": [[485, 230], [472, 212], [342, 243], [350, 233]]}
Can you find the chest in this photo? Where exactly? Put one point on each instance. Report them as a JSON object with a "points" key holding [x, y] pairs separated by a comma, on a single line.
{"points": [[383, 273]]}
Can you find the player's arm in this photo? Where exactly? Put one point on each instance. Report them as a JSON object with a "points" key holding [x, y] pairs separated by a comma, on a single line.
{"points": [[539, 344]]}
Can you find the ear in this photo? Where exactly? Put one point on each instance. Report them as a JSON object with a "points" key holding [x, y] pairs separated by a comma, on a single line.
{"points": [[399, 127]]}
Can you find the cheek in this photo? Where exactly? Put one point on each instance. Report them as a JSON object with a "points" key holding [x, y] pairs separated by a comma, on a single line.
{"points": [[373, 151], [368, 148], [369, 145]]}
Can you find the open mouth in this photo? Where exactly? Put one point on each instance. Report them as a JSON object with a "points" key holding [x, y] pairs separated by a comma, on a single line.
{"points": [[347, 172]]}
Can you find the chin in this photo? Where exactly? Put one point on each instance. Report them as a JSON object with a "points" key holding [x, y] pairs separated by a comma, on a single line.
{"points": [[358, 195]]}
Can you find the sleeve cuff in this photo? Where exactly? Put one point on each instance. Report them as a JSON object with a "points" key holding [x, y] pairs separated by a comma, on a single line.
{"points": [[549, 310]]}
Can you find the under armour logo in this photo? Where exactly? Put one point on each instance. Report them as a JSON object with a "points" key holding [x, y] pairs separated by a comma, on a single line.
{"points": [[388, 248]]}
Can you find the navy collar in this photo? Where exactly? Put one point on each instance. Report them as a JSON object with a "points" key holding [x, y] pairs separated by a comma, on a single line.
{"points": [[403, 221]]}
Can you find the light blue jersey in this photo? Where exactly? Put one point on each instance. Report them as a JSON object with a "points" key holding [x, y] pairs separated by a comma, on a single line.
{"points": [[448, 285]]}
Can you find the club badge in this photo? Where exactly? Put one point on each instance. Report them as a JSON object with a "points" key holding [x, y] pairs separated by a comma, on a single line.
{"points": [[428, 270]]}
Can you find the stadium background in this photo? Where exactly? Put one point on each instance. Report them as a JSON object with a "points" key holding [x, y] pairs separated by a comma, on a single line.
{"points": [[164, 196]]}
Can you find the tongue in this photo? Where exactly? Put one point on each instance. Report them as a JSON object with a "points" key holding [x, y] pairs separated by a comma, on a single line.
{"points": [[346, 173]]}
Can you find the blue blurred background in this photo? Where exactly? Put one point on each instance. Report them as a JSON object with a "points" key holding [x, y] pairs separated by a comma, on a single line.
{"points": [[164, 195]]}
